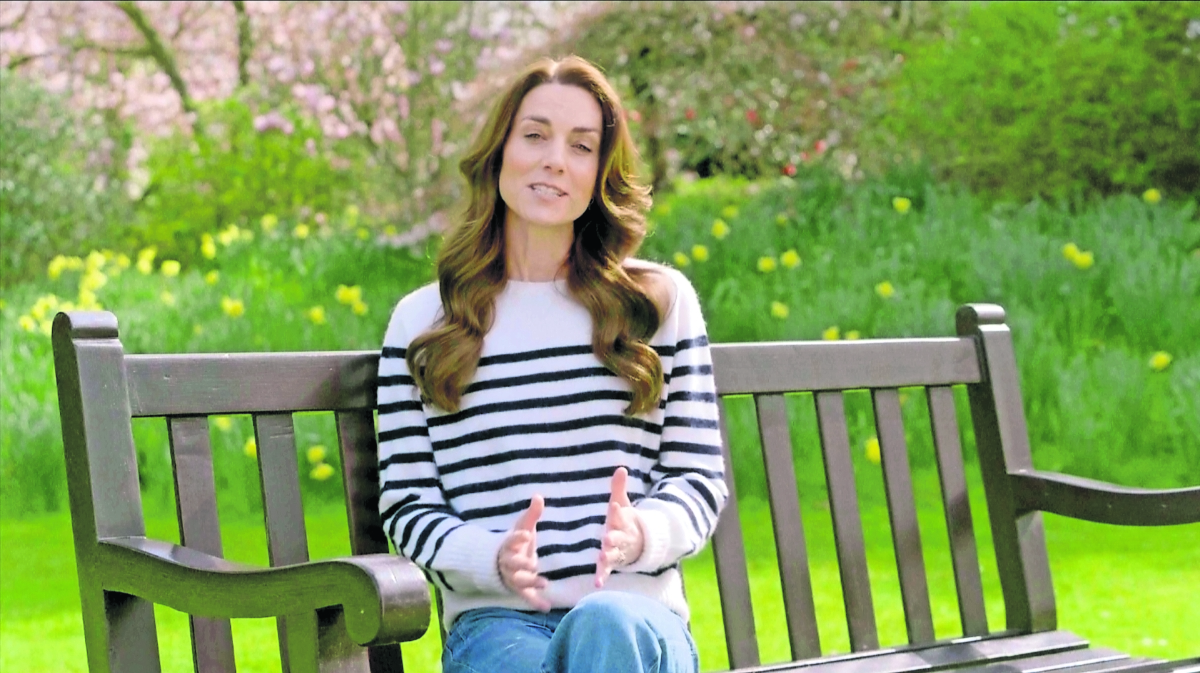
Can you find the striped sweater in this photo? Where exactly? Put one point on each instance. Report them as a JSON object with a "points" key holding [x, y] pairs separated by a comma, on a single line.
{"points": [[544, 416]]}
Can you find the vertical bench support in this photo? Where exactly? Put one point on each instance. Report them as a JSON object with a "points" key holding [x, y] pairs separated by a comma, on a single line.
{"points": [[102, 473]]}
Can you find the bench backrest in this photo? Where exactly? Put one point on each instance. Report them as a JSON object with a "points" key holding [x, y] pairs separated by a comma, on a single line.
{"points": [[101, 389]]}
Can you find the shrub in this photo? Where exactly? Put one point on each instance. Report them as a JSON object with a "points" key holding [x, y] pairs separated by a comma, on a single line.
{"points": [[1024, 99], [55, 192]]}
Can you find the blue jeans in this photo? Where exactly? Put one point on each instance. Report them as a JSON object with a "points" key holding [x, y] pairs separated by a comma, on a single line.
{"points": [[606, 632]]}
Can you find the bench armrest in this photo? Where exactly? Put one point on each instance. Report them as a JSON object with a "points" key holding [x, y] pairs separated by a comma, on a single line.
{"points": [[1102, 502], [384, 597]]}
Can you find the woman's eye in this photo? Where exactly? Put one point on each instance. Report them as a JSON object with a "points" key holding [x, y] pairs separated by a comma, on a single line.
{"points": [[533, 135], [585, 148]]}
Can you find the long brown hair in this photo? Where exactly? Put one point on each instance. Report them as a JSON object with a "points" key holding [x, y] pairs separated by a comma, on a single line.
{"points": [[471, 265]]}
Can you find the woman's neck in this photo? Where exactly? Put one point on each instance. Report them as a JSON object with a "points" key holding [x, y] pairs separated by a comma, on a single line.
{"points": [[536, 253]]}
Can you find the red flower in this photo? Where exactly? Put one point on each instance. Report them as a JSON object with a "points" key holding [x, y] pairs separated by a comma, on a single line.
{"points": [[789, 170], [689, 114], [634, 115], [820, 146], [752, 116]]}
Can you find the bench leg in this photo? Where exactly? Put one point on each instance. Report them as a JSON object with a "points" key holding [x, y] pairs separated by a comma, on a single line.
{"points": [[119, 632], [317, 642]]}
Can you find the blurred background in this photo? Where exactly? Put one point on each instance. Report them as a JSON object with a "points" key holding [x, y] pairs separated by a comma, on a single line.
{"points": [[234, 176]]}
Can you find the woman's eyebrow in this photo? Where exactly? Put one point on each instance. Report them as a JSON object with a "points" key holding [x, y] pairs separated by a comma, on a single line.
{"points": [[577, 129]]}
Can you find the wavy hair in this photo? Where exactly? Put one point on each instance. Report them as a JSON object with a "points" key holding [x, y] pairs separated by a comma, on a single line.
{"points": [[471, 266]]}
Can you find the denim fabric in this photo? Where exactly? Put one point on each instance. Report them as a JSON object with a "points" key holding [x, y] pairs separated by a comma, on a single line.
{"points": [[606, 632]]}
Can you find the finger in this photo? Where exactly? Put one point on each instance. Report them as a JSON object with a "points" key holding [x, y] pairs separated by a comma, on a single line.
{"points": [[518, 540], [619, 482], [529, 517], [534, 598]]}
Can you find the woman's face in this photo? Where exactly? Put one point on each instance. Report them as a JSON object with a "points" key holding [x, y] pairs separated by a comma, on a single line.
{"points": [[548, 170]]}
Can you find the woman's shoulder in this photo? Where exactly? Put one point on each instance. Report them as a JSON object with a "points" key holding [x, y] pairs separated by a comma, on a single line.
{"points": [[414, 314]]}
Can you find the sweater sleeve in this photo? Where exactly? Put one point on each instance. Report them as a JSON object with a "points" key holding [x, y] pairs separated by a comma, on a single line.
{"points": [[455, 554], [688, 491]]}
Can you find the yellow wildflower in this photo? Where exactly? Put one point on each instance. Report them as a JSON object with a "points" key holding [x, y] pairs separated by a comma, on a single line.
{"points": [[321, 472], [56, 266], [145, 262], [1084, 260], [170, 268], [681, 260], [766, 264], [316, 314], [87, 301], [229, 235], [208, 247], [234, 308], [212, 277], [1152, 196], [700, 253], [122, 261], [901, 204], [348, 294], [93, 280], [781, 219], [359, 308], [224, 423], [316, 454], [790, 259], [1160, 361], [831, 333], [363, 234], [1070, 251], [852, 335], [352, 213], [250, 448], [95, 260], [27, 323], [872, 450], [167, 298], [779, 310], [301, 231], [729, 212], [269, 221], [719, 229], [46, 327], [885, 290]]}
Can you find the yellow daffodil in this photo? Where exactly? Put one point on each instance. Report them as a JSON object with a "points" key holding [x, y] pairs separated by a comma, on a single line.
{"points": [[301, 231], [212, 277], [170, 268], [95, 260], [1152, 196], [348, 294], [729, 212], [831, 333], [700, 253], [316, 314], [250, 448], [167, 298], [359, 308], [208, 246], [223, 423], [234, 308], [93, 280], [781, 219], [719, 229], [229, 235], [321, 472], [871, 449], [766, 264], [268, 222], [145, 262], [901, 204], [779, 310], [853, 335], [790, 259], [885, 290], [1070, 251], [27, 323], [316, 454], [681, 260], [1160, 361], [363, 234], [1084, 260], [56, 266], [122, 261]]}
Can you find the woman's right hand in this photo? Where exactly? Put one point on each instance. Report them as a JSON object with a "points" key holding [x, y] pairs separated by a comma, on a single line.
{"points": [[518, 560]]}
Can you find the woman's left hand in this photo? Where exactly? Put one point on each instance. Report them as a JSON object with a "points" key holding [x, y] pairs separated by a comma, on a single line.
{"points": [[622, 541]]}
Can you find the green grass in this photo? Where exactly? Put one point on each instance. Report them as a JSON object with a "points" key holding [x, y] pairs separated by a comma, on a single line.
{"points": [[1105, 579]]}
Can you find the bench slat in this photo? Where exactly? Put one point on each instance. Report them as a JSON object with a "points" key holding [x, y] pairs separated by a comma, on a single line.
{"points": [[963, 551], [847, 523], [242, 383], [287, 541], [733, 579], [782, 367], [902, 514], [790, 546], [360, 478], [200, 529]]}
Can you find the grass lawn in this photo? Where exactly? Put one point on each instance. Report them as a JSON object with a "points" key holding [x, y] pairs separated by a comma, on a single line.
{"points": [[1106, 577]]}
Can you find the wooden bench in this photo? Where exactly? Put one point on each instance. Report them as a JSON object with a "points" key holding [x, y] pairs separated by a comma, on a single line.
{"points": [[330, 609]]}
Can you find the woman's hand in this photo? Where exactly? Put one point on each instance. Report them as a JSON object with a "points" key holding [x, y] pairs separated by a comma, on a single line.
{"points": [[518, 560], [622, 541]]}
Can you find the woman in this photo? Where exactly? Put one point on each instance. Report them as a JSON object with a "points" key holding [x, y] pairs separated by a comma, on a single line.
{"points": [[548, 433]]}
